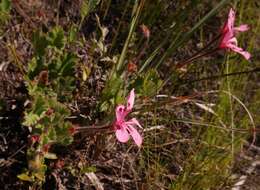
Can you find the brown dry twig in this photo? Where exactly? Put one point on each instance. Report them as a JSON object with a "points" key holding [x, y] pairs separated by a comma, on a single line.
{"points": [[21, 12]]}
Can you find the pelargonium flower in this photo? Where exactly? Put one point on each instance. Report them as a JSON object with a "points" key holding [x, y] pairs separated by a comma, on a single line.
{"points": [[124, 129], [228, 39]]}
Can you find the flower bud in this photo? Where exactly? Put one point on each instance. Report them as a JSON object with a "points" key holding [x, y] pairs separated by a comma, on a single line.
{"points": [[35, 138], [131, 67], [145, 31]]}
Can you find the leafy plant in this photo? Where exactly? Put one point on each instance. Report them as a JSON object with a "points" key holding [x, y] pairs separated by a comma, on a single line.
{"points": [[50, 81]]}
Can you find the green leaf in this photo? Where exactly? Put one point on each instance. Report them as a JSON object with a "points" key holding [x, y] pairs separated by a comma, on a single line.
{"points": [[59, 108], [104, 106], [112, 87], [40, 105], [40, 43], [67, 141], [67, 64], [32, 65], [39, 126], [88, 169], [56, 37], [5, 5], [151, 83], [72, 33], [92, 4], [30, 119], [24, 177], [52, 134], [130, 35], [85, 72], [84, 10], [87, 7]]}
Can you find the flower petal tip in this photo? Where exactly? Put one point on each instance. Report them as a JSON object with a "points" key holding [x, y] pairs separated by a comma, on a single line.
{"points": [[130, 100]]}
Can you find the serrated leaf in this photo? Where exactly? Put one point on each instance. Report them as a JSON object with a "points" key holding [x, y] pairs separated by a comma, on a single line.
{"points": [[32, 65], [56, 37], [40, 43], [30, 119], [39, 106], [67, 64]]}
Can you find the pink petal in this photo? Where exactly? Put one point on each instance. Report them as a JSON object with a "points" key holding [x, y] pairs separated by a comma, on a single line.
{"points": [[122, 134], [229, 25], [241, 28], [246, 55], [120, 113], [228, 32], [134, 122], [239, 50], [135, 135], [231, 19], [227, 38], [225, 43], [130, 100]]}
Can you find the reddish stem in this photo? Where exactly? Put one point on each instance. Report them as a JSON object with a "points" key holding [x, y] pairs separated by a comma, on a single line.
{"points": [[181, 64]]}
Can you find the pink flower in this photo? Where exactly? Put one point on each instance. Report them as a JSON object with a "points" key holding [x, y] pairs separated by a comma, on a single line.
{"points": [[124, 129], [228, 40]]}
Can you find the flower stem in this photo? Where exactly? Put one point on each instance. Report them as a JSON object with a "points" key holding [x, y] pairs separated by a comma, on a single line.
{"points": [[198, 53], [181, 64]]}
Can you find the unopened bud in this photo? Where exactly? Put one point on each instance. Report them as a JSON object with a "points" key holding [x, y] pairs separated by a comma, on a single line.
{"points": [[49, 112], [35, 138], [72, 130], [131, 67], [145, 30]]}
